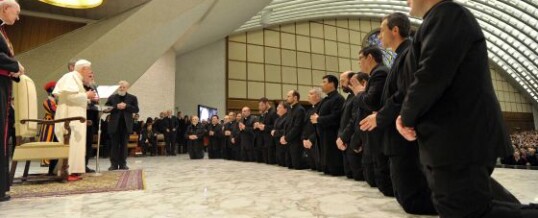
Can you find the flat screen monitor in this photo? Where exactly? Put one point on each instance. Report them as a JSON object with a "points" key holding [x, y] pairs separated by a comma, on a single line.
{"points": [[205, 112]]}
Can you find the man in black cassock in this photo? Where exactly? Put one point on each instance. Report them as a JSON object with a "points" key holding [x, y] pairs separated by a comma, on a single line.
{"points": [[327, 120], [92, 116], [10, 70], [265, 126], [246, 129], [293, 131], [121, 125], [309, 135], [215, 138], [371, 62], [170, 126], [451, 108], [229, 123], [410, 186]]}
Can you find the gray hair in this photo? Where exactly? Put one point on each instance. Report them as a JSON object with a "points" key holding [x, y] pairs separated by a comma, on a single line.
{"points": [[123, 82], [317, 91], [81, 64]]}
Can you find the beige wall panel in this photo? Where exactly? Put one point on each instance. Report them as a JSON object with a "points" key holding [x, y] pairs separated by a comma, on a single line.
{"points": [[366, 26], [288, 28], [303, 29], [303, 43], [317, 77], [287, 41], [343, 23], [318, 46], [237, 51], [304, 76], [304, 60], [342, 35], [272, 55], [255, 37], [273, 91], [272, 38], [255, 53], [318, 62], [331, 48], [241, 37], [256, 90], [330, 32], [344, 64], [355, 37], [237, 70], [316, 30], [344, 50], [332, 64], [355, 25], [255, 72], [273, 73], [237, 89], [289, 58], [289, 75]]}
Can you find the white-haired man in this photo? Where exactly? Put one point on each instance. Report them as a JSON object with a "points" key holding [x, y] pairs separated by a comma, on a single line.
{"points": [[124, 105], [72, 102], [10, 69]]}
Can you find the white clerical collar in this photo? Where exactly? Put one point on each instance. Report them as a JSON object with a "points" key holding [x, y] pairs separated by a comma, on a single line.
{"points": [[2, 24]]}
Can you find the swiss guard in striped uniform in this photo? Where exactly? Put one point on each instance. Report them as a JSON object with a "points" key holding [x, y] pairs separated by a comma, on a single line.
{"points": [[46, 131]]}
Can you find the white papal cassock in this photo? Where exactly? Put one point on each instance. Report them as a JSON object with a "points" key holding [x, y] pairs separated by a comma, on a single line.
{"points": [[72, 102]]}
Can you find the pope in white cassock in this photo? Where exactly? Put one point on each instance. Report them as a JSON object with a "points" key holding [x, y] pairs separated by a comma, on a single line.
{"points": [[72, 102]]}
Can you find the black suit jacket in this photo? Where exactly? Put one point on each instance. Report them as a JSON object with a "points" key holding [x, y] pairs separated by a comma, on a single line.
{"points": [[170, 123], [370, 100], [131, 108], [451, 102], [268, 119], [247, 134], [294, 126], [398, 81]]}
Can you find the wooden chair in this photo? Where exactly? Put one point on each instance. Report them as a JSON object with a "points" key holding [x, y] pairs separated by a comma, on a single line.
{"points": [[132, 145], [26, 107], [161, 144]]}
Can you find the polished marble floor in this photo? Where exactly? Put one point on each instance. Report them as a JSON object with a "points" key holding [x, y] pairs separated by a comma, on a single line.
{"points": [[179, 187]]}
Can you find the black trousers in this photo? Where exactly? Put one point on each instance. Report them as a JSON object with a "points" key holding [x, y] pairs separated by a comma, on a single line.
{"points": [[170, 140], [465, 190], [214, 150], [353, 164], [313, 157], [410, 187], [118, 146], [296, 151], [196, 149], [382, 174], [248, 153], [5, 89], [368, 169]]}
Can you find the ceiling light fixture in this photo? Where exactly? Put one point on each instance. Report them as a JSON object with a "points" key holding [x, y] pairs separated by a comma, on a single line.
{"points": [[75, 4]]}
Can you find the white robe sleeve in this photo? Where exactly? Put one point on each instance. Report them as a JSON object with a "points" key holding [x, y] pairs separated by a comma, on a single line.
{"points": [[68, 88]]}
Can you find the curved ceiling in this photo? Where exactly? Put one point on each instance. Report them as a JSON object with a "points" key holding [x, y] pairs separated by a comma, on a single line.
{"points": [[510, 27]]}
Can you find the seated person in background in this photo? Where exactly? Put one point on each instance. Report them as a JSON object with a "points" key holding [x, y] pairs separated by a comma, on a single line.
{"points": [[531, 157], [148, 138], [518, 160]]}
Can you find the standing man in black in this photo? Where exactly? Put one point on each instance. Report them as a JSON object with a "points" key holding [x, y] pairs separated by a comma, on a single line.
{"points": [[327, 120], [451, 108], [92, 117], [293, 131], [228, 135], [171, 125], [10, 70], [246, 128], [124, 105], [371, 61], [282, 151], [347, 116], [265, 126], [410, 186], [309, 135]]}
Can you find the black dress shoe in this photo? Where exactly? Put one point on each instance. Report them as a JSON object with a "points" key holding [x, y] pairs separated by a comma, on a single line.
{"points": [[5, 198], [124, 167], [88, 170], [112, 168]]}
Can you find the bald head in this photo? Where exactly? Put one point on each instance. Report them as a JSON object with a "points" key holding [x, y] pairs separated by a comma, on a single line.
{"points": [[245, 111], [344, 81]]}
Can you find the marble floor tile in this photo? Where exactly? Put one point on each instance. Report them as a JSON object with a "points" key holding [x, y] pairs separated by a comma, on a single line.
{"points": [[179, 187]]}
